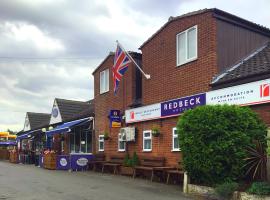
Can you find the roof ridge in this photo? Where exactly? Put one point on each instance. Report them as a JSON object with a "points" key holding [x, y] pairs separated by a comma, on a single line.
{"points": [[38, 113], [235, 66], [70, 100]]}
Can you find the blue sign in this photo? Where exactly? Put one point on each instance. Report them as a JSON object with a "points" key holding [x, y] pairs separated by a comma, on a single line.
{"points": [[80, 161], [63, 162], [115, 119], [178, 106]]}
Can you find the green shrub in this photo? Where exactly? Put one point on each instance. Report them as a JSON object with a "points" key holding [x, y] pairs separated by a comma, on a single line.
{"points": [[131, 162], [226, 189], [213, 140], [259, 188], [135, 159], [126, 160]]}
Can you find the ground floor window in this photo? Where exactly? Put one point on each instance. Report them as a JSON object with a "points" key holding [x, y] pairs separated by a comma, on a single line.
{"points": [[147, 140], [80, 140], [101, 142], [121, 143], [175, 141]]}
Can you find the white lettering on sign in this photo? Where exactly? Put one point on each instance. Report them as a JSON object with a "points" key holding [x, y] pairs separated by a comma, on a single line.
{"points": [[246, 94], [82, 162]]}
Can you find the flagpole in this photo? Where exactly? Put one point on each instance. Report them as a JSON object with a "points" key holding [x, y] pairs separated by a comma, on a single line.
{"points": [[147, 76]]}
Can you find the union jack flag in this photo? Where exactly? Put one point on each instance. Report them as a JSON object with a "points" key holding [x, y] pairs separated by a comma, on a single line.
{"points": [[121, 61]]}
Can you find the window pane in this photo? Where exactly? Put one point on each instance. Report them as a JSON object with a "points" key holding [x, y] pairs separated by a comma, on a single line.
{"points": [[107, 80], [176, 144], [72, 142], [182, 48], [147, 144], [101, 82], [101, 145], [77, 140], [89, 142], [192, 43], [83, 141], [121, 145], [147, 134]]}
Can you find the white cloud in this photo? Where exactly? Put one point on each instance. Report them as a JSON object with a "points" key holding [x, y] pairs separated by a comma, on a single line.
{"points": [[84, 29], [23, 32]]}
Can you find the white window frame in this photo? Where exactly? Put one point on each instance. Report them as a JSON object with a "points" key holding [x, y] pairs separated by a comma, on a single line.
{"points": [[103, 85], [173, 137], [121, 140], [147, 138], [101, 139], [187, 60]]}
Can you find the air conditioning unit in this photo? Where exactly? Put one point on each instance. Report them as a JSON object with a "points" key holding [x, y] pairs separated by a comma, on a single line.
{"points": [[130, 134]]}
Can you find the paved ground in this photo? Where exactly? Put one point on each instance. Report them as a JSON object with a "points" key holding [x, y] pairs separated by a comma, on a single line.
{"points": [[26, 182]]}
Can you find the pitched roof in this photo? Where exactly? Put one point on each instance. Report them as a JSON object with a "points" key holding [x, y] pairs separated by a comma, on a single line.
{"points": [[256, 65], [220, 14], [70, 108], [37, 119]]}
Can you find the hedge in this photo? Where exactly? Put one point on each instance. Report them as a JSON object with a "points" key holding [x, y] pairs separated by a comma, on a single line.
{"points": [[213, 140]]}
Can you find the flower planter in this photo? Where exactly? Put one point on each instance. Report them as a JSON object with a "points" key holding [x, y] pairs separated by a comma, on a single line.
{"points": [[127, 171], [246, 196], [204, 190]]}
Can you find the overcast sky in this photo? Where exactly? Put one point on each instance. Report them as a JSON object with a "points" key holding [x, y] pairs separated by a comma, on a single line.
{"points": [[49, 48]]}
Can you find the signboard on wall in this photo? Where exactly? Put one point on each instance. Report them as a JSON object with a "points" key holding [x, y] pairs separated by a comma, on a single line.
{"points": [[246, 94], [143, 113], [115, 119], [177, 106]]}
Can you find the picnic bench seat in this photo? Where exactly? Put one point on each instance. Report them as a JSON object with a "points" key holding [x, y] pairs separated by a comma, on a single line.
{"points": [[115, 161], [178, 171], [152, 164], [97, 161]]}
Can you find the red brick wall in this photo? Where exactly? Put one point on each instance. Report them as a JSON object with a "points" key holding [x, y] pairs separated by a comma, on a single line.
{"points": [[107, 101], [159, 60], [167, 82], [263, 111]]}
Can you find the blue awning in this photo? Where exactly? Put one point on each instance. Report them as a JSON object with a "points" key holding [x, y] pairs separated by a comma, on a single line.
{"points": [[7, 143], [27, 134], [65, 127]]}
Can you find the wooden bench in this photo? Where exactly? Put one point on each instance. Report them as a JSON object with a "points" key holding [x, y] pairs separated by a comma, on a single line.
{"points": [[151, 164], [178, 171], [114, 162], [98, 160]]}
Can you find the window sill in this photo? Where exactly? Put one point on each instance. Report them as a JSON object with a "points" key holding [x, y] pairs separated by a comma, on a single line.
{"points": [[121, 150], [104, 92], [101, 150], [146, 150], [188, 61], [176, 150]]}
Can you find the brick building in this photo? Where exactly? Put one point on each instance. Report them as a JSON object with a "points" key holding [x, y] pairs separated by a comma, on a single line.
{"points": [[186, 58]]}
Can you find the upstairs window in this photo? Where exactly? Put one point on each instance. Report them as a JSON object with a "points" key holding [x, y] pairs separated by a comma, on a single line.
{"points": [[104, 81], [186, 46]]}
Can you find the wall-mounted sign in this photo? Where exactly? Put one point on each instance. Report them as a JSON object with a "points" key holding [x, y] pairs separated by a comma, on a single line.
{"points": [[55, 112], [63, 162], [177, 106], [246, 94], [115, 119], [143, 113]]}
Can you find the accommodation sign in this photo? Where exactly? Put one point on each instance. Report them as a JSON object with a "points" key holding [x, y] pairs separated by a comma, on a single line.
{"points": [[177, 106], [115, 119], [246, 94]]}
